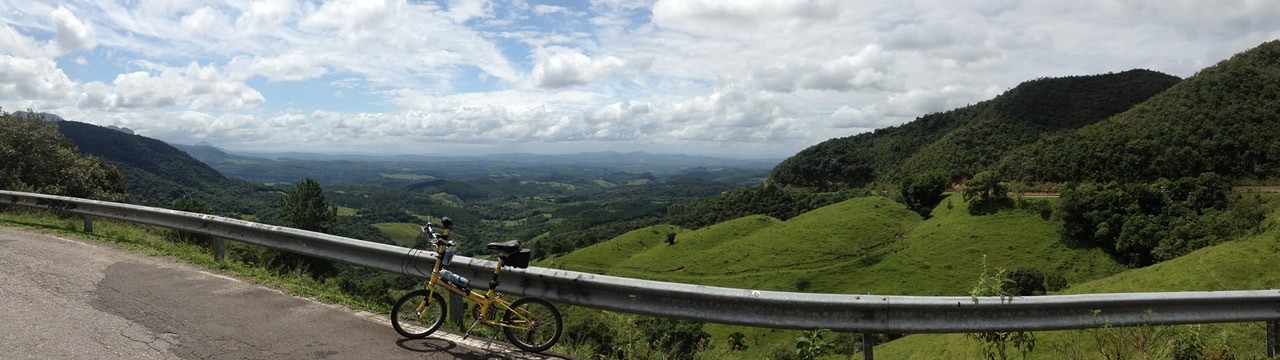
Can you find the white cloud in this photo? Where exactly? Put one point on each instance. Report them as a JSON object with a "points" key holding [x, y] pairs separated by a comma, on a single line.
{"points": [[34, 80], [861, 71], [70, 33], [17, 44], [286, 67], [194, 86], [263, 15], [167, 7], [141, 90], [543, 9], [355, 14], [715, 17], [288, 120], [204, 22], [462, 10], [566, 67], [903, 107]]}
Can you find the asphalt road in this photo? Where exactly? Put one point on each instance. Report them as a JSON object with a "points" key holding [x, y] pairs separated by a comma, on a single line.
{"points": [[63, 298]]}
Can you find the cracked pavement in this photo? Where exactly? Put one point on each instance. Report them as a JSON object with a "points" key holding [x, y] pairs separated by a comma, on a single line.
{"points": [[78, 299]]}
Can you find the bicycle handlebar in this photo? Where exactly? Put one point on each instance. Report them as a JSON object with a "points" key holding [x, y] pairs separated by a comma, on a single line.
{"points": [[438, 237]]}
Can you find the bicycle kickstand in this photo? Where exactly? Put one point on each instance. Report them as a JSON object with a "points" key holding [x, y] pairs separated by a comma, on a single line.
{"points": [[473, 327]]}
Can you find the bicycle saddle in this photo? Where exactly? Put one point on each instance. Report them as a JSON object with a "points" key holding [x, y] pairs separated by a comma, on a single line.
{"points": [[509, 247]]}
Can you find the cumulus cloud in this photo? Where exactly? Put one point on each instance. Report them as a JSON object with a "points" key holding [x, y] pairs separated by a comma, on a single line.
{"points": [[17, 44], [903, 107], [565, 67], [864, 70], [194, 86], [70, 33], [34, 79]]}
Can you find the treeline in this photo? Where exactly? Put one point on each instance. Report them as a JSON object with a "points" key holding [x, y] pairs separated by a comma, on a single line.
{"points": [[156, 174], [960, 142], [1224, 120], [1144, 223], [34, 157]]}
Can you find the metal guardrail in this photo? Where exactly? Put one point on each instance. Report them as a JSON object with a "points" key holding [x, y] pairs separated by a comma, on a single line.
{"points": [[771, 309]]}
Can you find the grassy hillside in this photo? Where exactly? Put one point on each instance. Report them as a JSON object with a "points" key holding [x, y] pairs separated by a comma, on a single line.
{"points": [[862, 245], [866, 244], [404, 234], [1224, 119], [963, 141], [752, 251], [1244, 264]]}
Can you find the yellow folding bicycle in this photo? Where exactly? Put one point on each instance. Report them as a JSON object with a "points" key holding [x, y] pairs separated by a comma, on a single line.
{"points": [[530, 323]]}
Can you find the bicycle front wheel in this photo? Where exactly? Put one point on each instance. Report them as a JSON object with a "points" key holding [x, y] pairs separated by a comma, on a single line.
{"points": [[532, 324], [418, 314]]}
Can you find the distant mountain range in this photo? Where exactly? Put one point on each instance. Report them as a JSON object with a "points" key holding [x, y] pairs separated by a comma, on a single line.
{"points": [[43, 115], [613, 158], [355, 168]]}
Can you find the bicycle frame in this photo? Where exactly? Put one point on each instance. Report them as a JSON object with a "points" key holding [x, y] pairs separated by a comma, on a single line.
{"points": [[530, 323], [487, 300]]}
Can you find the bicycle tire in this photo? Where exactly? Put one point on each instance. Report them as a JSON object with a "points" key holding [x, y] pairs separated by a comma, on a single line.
{"points": [[407, 321], [544, 331]]}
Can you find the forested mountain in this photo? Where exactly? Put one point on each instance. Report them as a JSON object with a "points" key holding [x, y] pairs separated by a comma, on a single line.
{"points": [[1224, 120], [963, 141], [210, 155], [34, 157], [155, 172]]}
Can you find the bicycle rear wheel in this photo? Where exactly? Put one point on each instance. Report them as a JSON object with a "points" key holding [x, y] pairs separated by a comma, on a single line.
{"points": [[415, 317], [534, 324]]}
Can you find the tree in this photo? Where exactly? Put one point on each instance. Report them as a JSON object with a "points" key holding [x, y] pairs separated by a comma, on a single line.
{"points": [[34, 157], [1024, 282], [984, 193], [305, 208], [922, 192]]}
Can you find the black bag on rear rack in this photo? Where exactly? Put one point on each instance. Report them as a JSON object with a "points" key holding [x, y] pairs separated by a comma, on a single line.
{"points": [[519, 260]]}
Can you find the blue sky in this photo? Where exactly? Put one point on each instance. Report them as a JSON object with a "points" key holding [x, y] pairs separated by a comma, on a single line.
{"points": [[741, 78]]}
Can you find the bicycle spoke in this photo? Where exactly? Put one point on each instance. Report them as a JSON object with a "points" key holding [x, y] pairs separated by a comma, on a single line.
{"points": [[532, 324]]}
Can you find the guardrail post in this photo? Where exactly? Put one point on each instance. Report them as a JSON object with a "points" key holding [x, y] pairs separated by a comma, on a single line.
{"points": [[219, 249], [456, 309], [88, 223], [868, 346], [1272, 346]]}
